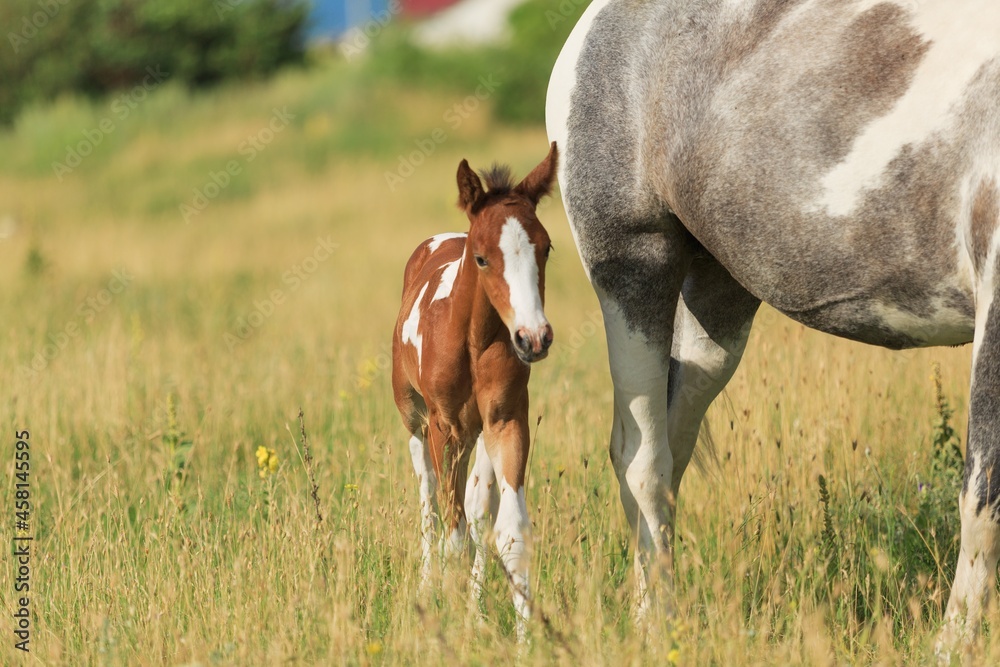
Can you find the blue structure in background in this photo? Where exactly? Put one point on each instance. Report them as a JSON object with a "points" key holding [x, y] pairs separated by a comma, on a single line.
{"points": [[331, 18]]}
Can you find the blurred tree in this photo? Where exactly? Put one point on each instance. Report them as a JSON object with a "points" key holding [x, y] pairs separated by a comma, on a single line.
{"points": [[521, 65], [539, 28], [56, 46]]}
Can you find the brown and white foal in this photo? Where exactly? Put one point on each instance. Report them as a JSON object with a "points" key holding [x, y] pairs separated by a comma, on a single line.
{"points": [[470, 324]]}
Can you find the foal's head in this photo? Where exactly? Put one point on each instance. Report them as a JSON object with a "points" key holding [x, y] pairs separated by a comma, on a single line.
{"points": [[510, 248]]}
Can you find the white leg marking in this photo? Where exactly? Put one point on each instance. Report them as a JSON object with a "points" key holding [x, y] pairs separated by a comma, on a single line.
{"points": [[640, 451], [481, 504], [454, 544], [976, 573], [513, 535], [411, 327], [520, 270], [421, 457]]}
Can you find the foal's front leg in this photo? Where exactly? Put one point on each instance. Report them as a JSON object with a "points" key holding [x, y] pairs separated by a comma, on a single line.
{"points": [[507, 441]]}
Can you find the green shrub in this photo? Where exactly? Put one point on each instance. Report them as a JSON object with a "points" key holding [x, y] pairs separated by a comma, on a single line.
{"points": [[538, 30], [61, 46]]}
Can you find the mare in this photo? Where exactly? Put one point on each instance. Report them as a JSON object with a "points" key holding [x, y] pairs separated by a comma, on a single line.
{"points": [[836, 159]]}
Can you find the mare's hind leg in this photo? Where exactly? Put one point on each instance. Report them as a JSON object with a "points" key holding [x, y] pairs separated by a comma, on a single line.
{"points": [[979, 501], [711, 327], [482, 501], [660, 400], [638, 287]]}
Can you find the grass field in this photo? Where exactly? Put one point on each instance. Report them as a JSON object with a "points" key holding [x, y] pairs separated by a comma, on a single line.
{"points": [[150, 356]]}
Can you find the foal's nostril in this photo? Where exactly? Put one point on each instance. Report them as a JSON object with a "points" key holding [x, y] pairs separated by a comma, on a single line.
{"points": [[521, 341], [547, 338]]}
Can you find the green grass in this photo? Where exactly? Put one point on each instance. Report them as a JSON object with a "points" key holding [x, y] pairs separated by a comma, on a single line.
{"points": [[157, 542]]}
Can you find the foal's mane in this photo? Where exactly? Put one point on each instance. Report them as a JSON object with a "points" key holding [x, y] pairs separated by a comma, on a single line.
{"points": [[498, 179]]}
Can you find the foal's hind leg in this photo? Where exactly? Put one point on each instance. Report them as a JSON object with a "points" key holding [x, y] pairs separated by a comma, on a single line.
{"points": [[429, 522], [979, 501], [481, 503], [413, 409]]}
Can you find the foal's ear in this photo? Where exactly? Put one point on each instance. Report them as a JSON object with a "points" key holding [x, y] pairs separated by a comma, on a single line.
{"points": [[538, 183], [470, 188]]}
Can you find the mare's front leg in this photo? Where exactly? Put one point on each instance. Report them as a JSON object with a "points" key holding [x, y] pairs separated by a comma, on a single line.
{"points": [[504, 407], [979, 502]]}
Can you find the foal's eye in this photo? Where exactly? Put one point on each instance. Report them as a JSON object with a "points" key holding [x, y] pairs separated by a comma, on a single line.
{"points": [[481, 261]]}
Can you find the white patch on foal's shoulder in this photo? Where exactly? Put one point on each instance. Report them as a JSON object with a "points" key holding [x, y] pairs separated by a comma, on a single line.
{"points": [[520, 270], [411, 327], [447, 280], [435, 241], [959, 43]]}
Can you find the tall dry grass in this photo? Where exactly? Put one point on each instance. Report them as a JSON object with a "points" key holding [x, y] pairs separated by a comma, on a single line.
{"points": [[158, 542]]}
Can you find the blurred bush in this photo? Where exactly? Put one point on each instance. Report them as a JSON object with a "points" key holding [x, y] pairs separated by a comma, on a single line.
{"points": [[58, 46], [539, 28], [522, 65]]}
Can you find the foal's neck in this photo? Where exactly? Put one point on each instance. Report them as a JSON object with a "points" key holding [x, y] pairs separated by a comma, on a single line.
{"points": [[472, 305]]}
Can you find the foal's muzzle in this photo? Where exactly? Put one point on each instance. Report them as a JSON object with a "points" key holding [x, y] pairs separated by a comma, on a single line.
{"points": [[532, 343]]}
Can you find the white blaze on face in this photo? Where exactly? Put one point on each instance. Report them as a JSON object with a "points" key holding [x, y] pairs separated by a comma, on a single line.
{"points": [[960, 41], [520, 270], [411, 327]]}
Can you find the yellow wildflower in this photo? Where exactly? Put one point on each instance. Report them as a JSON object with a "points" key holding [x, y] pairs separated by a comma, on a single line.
{"points": [[374, 648], [674, 657], [267, 461]]}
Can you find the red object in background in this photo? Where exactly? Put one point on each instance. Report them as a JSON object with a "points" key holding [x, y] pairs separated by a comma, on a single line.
{"points": [[424, 7]]}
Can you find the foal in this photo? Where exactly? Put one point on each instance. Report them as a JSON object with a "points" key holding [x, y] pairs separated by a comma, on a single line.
{"points": [[470, 324]]}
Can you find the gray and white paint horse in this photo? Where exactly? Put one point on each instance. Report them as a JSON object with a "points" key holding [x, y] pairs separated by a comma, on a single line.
{"points": [[838, 159]]}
